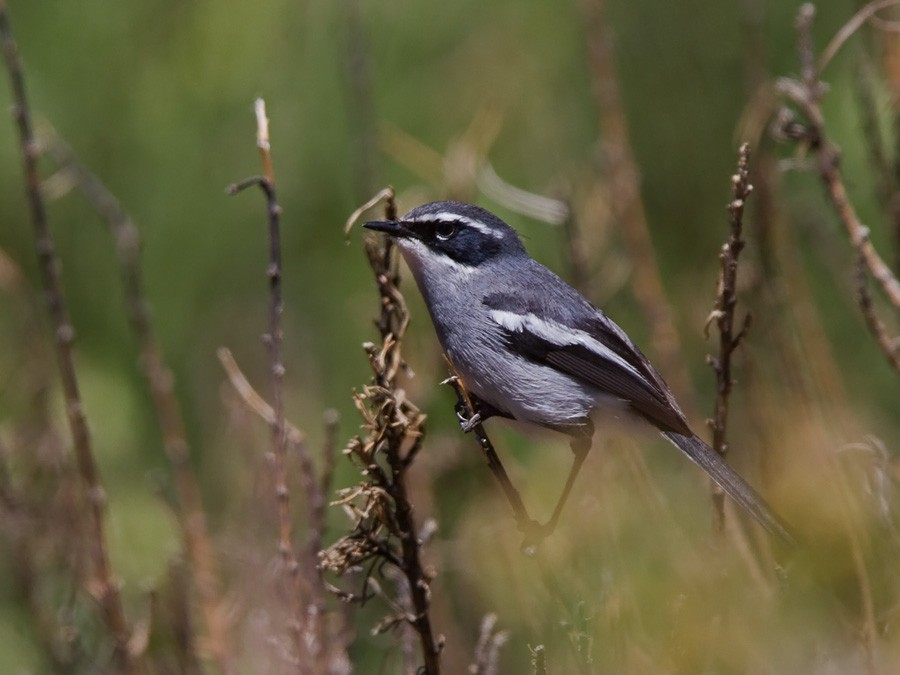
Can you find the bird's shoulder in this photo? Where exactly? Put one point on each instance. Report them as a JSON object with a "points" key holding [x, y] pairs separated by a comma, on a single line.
{"points": [[539, 292]]}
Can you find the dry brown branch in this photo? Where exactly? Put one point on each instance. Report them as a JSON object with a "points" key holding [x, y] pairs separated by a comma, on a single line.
{"points": [[806, 94], [866, 13], [161, 384], [251, 398], [102, 586], [273, 340], [316, 495], [384, 530], [883, 50], [889, 346], [624, 180], [262, 140], [723, 316], [41, 511], [386, 193], [314, 628]]}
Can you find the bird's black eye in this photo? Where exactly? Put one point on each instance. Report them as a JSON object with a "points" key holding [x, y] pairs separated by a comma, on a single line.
{"points": [[445, 231]]}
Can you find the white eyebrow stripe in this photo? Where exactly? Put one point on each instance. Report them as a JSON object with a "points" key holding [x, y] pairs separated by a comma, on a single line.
{"points": [[450, 217], [559, 334]]}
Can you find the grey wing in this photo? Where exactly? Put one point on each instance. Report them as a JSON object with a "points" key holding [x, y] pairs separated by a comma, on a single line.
{"points": [[575, 338]]}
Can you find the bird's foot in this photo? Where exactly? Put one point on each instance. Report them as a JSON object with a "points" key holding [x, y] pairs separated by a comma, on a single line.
{"points": [[467, 422]]}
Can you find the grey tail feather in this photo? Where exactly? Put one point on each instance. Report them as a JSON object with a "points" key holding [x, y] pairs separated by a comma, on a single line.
{"points": [[733, 485]]}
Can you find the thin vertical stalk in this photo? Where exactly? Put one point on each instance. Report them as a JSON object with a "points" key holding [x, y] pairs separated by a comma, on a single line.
{"points": [[102, 586]]}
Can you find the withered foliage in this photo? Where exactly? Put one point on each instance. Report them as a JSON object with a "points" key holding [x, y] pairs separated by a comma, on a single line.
{"points": [[384, 533]]}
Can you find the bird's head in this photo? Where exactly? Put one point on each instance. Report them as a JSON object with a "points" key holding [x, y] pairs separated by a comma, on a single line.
{"points": [[443, 237]]}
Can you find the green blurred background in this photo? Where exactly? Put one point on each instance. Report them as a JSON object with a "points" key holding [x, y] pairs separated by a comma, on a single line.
{"points": [[156, 98]]}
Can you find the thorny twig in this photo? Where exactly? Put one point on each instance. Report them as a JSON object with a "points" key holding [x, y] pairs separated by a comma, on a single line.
{"points": [[384, 531], [161, 383], [723, 316], [102, 586]]}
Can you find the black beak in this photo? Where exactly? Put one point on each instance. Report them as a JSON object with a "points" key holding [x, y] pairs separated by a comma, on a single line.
{"points": [[393, 228]]}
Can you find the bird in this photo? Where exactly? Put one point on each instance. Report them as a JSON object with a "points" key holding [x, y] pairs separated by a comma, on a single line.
{"points": [[527, 346]]}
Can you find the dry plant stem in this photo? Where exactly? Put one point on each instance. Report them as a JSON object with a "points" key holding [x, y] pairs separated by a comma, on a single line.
{"points": [[295, 438], [262, 139], [384, 539], [317, 501], [723, 315], [102, 586], [889, 345], [252, 399], [273, 340], [864, 14], [624, 179], [315, 489], [161, 383], [392, 324], [807, 94], [887, 173]]}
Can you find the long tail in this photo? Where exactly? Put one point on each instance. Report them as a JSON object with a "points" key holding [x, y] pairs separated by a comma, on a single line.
{"points": [[735, 486]]}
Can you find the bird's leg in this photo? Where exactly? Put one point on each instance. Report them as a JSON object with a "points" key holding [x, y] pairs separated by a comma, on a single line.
{"points": [[580, 445], [536, 533], [470, 420]]}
